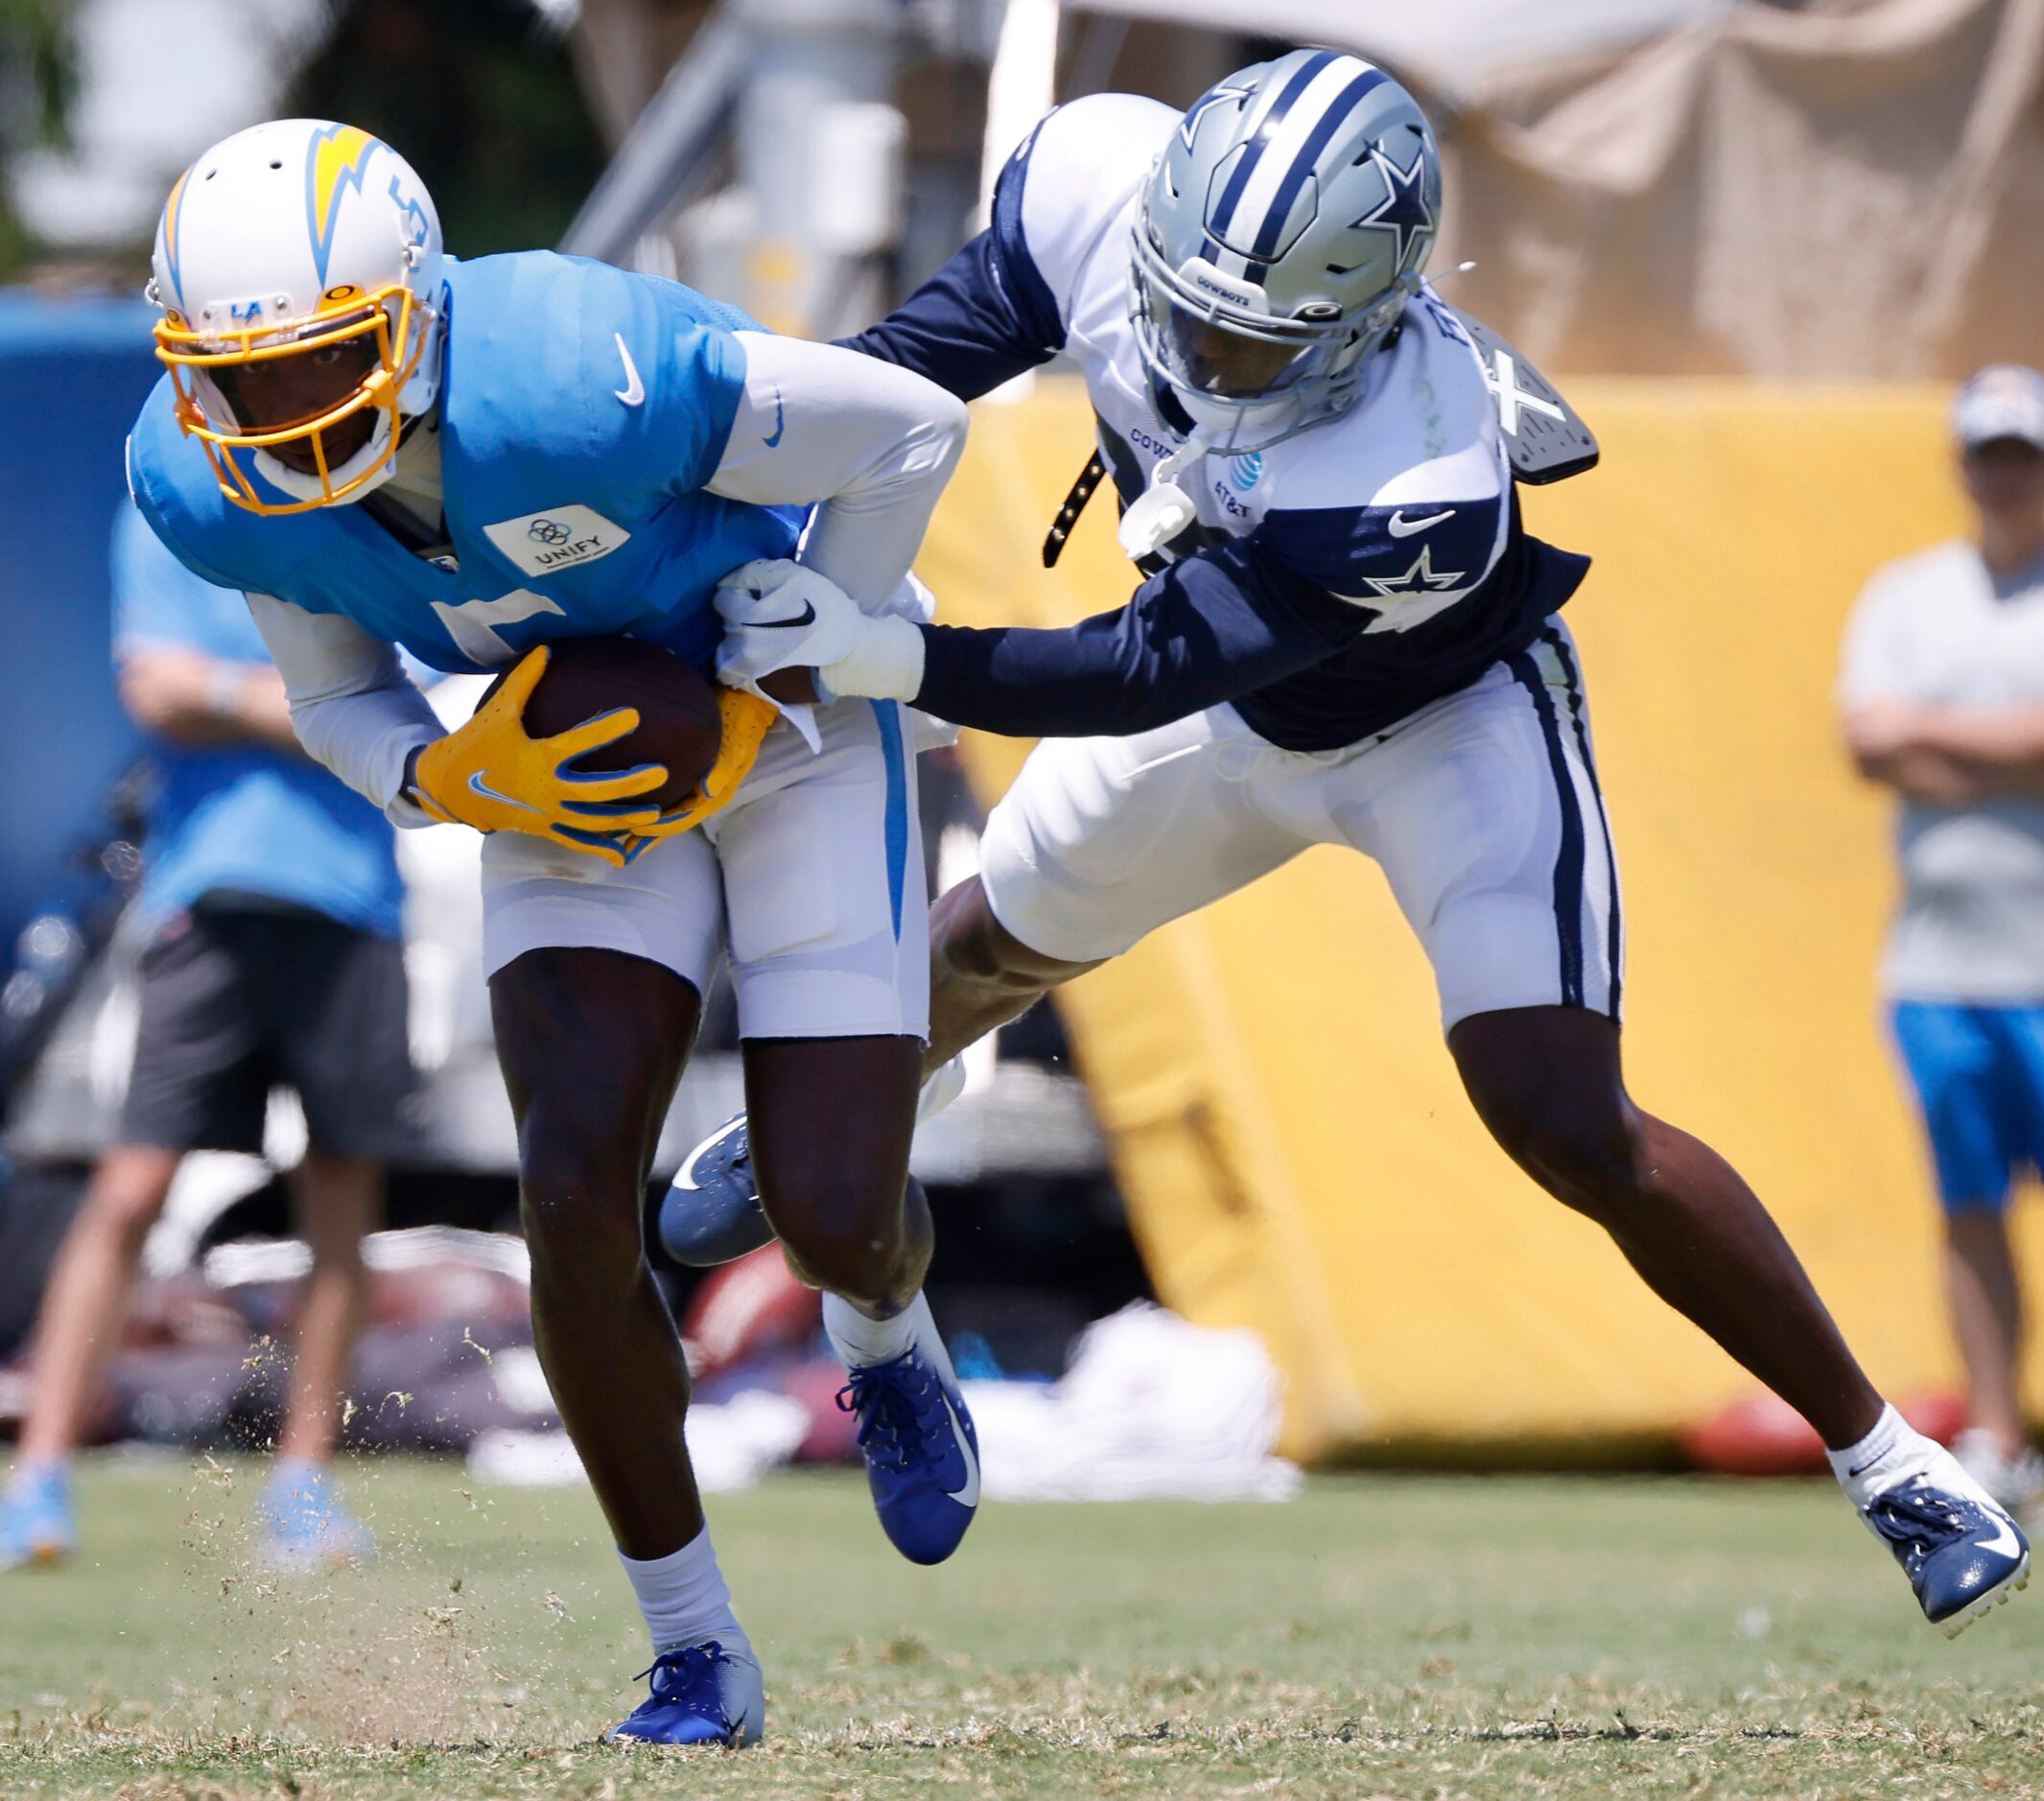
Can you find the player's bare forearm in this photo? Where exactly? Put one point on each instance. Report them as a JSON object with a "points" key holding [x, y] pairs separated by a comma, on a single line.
{"points": [[1983, 739], [194, 699], [2008, 739], [1919, 774]]}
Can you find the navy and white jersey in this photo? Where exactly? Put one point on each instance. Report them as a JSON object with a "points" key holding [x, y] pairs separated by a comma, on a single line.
{"points": [[1332, 584]]}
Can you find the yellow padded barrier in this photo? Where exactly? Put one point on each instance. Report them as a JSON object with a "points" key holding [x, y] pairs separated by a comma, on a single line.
{"points": [[1285, 1121]]}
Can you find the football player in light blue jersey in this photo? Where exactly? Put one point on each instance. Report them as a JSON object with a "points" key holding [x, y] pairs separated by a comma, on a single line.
{"points": [[384, 446], [1345, 636]]}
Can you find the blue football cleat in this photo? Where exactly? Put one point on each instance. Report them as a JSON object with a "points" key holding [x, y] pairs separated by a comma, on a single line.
{"points": [[38, 1523], [1963, 1555], [711, 1213], [707, 1693], [921, 1454], [302, 1523]]}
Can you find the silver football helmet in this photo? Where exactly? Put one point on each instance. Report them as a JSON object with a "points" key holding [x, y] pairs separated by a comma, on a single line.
{"points": [[1282, 231]]}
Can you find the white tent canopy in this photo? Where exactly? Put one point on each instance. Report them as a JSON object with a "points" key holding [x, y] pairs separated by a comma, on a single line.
{"points": [[1446, 44]]}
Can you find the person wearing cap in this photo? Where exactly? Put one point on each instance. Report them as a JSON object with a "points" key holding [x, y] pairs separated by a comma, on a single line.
{"points": [[1943, 697]]}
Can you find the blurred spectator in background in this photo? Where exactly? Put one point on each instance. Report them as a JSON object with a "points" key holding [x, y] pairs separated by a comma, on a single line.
{"points": [[270, 905], [1943, 699]]}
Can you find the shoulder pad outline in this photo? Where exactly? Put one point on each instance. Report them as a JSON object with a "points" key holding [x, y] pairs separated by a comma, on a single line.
{"points": [[1545, 435]]}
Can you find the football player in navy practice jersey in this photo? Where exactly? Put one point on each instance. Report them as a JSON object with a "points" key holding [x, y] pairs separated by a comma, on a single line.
{"points": [[1347, 637]]}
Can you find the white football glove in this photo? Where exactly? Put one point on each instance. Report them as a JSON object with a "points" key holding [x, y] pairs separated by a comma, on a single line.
{"points": [[779, 614]]}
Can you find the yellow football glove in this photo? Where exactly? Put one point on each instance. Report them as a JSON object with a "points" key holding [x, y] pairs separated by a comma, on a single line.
{"points": [[746, 717], [488, 774]]}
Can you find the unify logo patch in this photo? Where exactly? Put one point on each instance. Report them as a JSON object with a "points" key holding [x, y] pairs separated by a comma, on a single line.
{"points": [[557, 539]]}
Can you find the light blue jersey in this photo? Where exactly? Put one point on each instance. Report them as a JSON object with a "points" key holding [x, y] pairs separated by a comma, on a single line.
{"points": [[583, 411], [240, 818]]}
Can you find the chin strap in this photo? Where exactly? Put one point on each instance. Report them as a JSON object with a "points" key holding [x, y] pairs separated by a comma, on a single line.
{"points": [[1163, 509]]}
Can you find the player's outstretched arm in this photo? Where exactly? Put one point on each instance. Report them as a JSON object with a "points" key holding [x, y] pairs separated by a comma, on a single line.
{"points": [[1210, 628], [192, 698]]}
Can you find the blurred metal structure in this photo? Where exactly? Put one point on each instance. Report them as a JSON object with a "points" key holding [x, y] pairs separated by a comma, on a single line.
{"points": [[803, 90], [769, 163], [667, 158]]}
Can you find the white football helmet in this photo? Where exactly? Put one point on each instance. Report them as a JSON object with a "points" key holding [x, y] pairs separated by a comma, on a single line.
{"points": [[1284, 226], [280, 241]]}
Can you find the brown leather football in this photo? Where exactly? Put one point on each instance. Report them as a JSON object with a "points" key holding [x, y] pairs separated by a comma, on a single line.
{"points": [[678, 720]]}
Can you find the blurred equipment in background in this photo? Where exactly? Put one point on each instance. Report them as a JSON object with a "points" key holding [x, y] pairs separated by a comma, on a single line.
{"points": [[268, 919], [1855, 190], [64, 739], [1943, 698]]}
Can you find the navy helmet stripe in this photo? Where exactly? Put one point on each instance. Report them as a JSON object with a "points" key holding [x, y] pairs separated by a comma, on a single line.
{"points": [[1266, 130], [1297, 174], [1568, 865], [1614, 933]]}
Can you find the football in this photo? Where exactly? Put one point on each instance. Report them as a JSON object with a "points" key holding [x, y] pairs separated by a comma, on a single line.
{"points": [[679, 724]]}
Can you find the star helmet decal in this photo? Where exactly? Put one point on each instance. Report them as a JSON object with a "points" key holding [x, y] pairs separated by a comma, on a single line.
{"points": [[1403, 210], [1421, 578]]}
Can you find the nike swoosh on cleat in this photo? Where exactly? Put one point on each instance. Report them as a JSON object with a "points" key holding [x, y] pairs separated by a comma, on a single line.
{"points": [[967, 1494], [477, 785], [687, 1178], [2004, 1541], [1402, 527], [804, 618], [634, 389], [779, 421]]}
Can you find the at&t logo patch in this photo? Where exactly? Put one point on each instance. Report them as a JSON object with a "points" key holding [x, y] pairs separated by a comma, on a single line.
{"points": [[1245, 472]]}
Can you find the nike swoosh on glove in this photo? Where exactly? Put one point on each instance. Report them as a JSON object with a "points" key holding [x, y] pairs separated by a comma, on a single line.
{"points": [[489, 773], [780, 614], [745, 718]]}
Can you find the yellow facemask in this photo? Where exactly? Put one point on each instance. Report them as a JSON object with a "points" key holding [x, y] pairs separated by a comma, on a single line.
{"points": [[345, 315]]}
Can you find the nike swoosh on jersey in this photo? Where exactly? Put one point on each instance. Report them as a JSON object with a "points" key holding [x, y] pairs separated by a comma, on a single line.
{"points": [[634, 389], [779, 421], [803, 618], [477, 785], [1403, 528], [967, 1493]]}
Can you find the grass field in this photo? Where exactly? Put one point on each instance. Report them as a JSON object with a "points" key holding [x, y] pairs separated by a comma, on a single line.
{"points": [[1381, 1636]]}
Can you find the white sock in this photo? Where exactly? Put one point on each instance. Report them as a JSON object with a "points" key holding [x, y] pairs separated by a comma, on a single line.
{"points": [[858, 1338], [682, 1595], [1891, 1450]]}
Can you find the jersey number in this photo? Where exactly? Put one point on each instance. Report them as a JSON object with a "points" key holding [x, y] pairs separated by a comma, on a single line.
{"points": [[473, 624]]}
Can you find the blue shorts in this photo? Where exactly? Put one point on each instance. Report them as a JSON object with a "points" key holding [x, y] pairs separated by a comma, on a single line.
{"points": [[1978, 1075]]}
